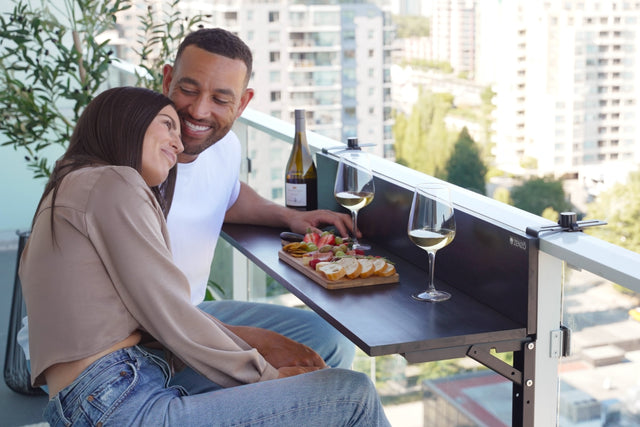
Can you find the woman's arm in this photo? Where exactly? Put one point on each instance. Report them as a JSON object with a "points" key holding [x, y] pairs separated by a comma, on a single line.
{"points": [[127, 229]]}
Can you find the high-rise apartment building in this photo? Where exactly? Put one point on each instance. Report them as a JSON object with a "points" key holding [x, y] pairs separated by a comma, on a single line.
{"points": [[331, 58], [453, 33], [567, 82]]}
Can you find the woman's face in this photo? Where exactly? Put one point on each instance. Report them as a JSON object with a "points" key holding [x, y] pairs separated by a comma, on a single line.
{"points": [[161, 146]]}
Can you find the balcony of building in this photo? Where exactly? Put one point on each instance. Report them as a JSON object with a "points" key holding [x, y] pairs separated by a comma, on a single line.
{"points": [[583, 378]]}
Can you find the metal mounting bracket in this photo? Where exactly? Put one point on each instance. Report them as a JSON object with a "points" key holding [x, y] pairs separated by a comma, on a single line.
{"points": [[521, 374], [482, 354], [352, 144], [567, 222], [560, 342]]}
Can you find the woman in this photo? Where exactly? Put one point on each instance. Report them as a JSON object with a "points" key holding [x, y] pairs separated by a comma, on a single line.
{"points": [[99, 282]]}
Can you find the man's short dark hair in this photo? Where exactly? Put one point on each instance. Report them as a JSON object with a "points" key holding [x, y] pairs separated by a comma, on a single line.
{"points": [[220, 42]]}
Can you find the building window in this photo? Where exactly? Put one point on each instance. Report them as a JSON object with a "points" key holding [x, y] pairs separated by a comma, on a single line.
{"points": [[275, 95], [276, 193], [274, 56], [274, 16]]}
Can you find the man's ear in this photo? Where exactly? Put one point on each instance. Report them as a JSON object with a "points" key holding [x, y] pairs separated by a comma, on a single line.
{"points": [[244, 100], [167, 74]]}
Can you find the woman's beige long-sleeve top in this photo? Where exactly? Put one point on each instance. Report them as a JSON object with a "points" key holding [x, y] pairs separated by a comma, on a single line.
{"points": [[108, 273]]}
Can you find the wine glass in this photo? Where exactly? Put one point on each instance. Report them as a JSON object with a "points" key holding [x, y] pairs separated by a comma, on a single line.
{"points": [[354, 187], [431, 226]]}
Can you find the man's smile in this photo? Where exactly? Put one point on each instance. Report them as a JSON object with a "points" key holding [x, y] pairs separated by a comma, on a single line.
{"points": [[194, 127]]}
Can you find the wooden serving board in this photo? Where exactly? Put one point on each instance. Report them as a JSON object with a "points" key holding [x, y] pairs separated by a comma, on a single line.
{"points": [[335, 284]]}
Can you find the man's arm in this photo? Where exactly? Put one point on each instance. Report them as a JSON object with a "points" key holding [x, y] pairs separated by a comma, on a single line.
{"points": [[251, 208], [277, 349]]}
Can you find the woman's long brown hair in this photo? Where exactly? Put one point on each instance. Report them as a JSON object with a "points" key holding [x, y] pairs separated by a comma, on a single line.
{"points": [[111, 131]]}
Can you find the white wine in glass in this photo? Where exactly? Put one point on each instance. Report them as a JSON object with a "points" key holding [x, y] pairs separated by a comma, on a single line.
{"points": [[431, 226], [354, 188]]}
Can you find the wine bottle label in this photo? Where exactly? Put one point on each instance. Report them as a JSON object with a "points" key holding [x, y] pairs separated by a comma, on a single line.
{"points": [[296, 194]]}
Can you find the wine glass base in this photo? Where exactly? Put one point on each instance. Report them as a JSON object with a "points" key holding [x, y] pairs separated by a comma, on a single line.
{"points": [[361, 246], [432, 296]]}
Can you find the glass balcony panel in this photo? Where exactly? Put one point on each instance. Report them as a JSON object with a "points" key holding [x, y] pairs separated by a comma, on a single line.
{"points": [[597, 384], [599, 381]]}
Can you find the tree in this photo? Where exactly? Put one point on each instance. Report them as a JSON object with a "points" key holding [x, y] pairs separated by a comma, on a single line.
{"points": [[411, 26], [535, 195], [54, 61], [465, 167], [486, 121], [620, 207], [422, 140]]}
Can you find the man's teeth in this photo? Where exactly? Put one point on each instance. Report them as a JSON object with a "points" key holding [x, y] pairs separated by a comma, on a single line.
{"points": [[195, 127]]}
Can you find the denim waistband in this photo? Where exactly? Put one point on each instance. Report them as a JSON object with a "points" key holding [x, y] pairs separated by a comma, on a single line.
{"points": [[133, 355]]}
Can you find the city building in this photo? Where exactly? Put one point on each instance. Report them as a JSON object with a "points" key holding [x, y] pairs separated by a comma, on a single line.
{"points": [[566, 78], [330, 58], [453, 33]]}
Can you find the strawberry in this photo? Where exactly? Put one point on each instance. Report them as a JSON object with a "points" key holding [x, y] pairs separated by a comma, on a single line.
{"points": [[327, 238], [312, 237]]}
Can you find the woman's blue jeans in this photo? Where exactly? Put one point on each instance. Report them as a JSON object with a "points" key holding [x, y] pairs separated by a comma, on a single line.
{"points": [[129, 388], [303, 326]]}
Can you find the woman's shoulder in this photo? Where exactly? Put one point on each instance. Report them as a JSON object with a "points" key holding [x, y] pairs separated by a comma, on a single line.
{"points": [[106, 183], [107, 175]]}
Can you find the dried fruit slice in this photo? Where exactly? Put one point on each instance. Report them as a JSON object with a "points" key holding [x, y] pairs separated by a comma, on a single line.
{"points": [[367, 267], [351, 266], [331, 270]]}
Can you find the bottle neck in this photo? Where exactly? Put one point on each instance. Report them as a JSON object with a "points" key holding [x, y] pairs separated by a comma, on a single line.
{"points": [[300, 125]]}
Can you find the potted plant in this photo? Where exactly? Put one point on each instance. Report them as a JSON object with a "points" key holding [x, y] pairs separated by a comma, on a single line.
{"points": [[54, 58]]}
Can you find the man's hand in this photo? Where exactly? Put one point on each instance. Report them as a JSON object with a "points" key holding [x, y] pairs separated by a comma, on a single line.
{"points": [[251, 208], [278, 350], [300, 221]]}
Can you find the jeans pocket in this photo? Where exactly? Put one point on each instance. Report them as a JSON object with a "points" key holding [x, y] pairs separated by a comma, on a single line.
{"points": [[112, 386]]}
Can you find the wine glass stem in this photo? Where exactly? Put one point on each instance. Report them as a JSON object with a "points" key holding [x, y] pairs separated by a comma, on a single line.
{"points": [[354, 217], [432, 260]]}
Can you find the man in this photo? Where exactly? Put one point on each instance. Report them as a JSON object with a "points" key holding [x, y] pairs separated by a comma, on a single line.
{"points": [[208, 84]]}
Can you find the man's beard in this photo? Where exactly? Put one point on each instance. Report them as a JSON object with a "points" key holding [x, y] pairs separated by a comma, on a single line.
{"points": [[194, 150]]}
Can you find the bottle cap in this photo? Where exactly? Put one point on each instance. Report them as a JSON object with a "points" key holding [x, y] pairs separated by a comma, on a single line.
{"points": [[299, 114]]}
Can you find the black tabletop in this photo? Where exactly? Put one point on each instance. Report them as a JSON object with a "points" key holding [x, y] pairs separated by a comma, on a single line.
{"points": [[384, 319]]}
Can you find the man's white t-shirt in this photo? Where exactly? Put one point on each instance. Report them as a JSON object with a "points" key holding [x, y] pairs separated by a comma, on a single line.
{"points": [[205, 189]]}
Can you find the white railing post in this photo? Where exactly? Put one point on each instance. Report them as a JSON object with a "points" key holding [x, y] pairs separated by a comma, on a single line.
{"points": [[549, 315]]}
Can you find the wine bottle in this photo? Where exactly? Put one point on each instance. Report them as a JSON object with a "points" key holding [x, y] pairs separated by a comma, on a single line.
{"points": [[301, 179]]}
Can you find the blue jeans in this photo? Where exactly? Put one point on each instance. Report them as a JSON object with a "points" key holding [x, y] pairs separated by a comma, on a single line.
{"points": [[129, 388], [300, 325], [303, 326]]}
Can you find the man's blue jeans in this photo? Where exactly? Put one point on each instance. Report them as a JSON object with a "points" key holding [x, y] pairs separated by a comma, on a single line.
{"points": [[129, 387], [303, 326]]}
